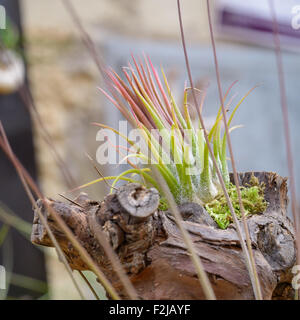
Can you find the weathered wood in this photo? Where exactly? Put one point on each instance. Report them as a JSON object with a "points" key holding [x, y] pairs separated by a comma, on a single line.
{"points": [[154, 255], [138, 201]]}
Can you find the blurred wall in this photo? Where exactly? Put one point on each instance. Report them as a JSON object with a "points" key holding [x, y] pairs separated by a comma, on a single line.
{"points": [[139, 18]]}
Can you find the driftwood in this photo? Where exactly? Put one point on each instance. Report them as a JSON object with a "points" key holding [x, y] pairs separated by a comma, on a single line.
{"points": [[150, 246]]}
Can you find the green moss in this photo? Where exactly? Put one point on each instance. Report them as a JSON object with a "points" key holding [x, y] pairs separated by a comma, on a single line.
{"points": [[9, 36], [163, 204], [252, 197]]}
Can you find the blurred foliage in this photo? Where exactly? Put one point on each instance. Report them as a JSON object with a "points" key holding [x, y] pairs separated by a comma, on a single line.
{"points": [[10, 37], [9, 219]]}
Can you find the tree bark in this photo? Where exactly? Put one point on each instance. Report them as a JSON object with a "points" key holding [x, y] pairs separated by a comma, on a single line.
{"points": [[154, 255]]}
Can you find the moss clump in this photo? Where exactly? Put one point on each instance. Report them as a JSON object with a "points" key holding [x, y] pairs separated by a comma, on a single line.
{"points": [[252, 197], [163, 204]]}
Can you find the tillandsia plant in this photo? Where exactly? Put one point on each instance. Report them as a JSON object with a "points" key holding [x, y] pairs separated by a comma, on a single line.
{"points": [[174, 143]]}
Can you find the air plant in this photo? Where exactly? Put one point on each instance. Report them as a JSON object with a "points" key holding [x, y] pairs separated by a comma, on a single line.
{"points": [[173, 142]]}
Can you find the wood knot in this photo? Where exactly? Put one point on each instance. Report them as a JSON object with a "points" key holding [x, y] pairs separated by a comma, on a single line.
{"points": [[138, 201]]}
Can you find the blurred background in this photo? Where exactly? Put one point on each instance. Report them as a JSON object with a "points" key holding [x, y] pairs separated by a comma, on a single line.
{"points": [[63, 80]]}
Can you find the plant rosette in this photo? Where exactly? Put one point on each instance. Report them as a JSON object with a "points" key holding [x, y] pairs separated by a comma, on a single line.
{"points": [[175, 144]]}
